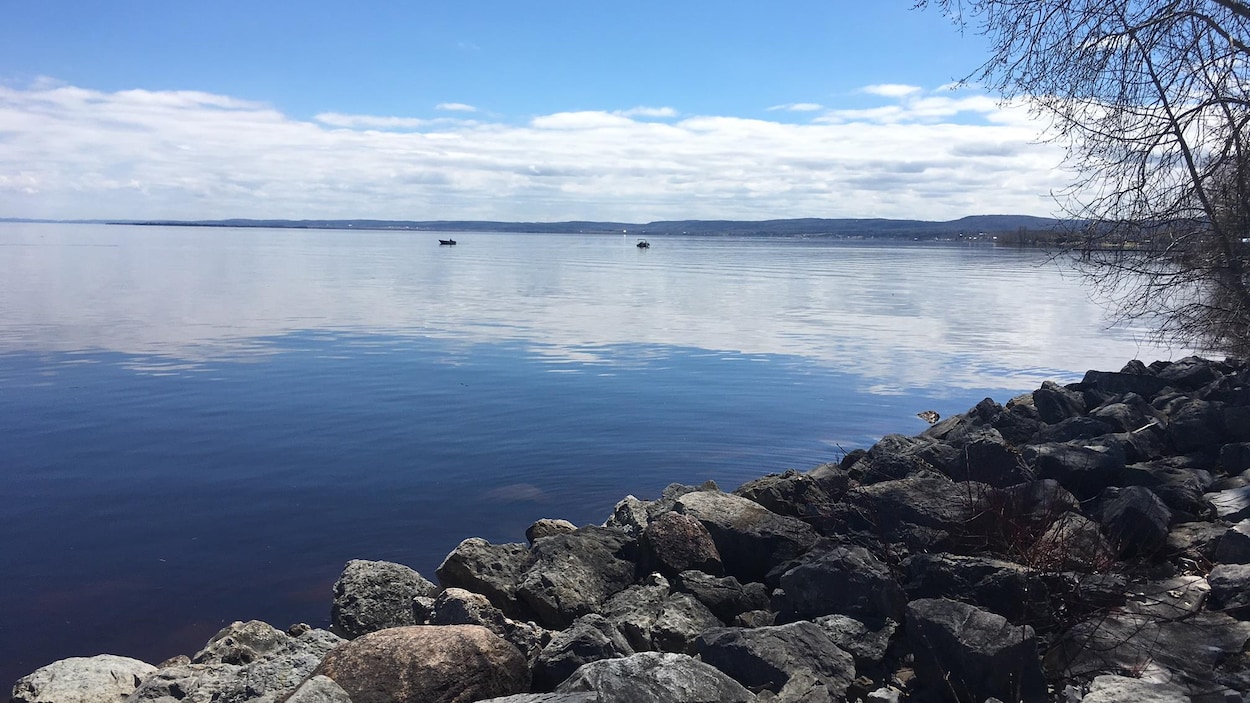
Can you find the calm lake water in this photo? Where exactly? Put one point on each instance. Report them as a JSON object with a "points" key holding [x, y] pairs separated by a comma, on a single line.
{"points": [[200, 425]]}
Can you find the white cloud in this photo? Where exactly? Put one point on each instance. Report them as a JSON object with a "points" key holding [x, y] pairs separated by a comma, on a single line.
{"points": [[641, 111], [891, 90], [69, 152], [797, 107], [455, 107]]}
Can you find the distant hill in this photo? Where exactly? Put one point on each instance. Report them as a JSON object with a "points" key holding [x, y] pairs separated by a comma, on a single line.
{"points": [[806, 227]]}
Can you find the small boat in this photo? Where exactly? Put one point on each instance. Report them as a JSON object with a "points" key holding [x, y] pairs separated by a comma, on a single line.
{"points": [[451, 242], [643, 244]]}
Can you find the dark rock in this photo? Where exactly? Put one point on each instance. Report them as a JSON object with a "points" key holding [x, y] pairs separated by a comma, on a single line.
{"points": [[890, 509], [1181, 489], [1195, 425], [1236, 421], [548, 527], [1232, 505], [456, 606], [1195, 540], [373, 595], [1002, 587], [755, 618], [1235, 457], [1074, 428], [1018, 424], [1084, 471], [895, 457], [751, 539], [490, 569], [590, 638], [589, 697], [1135, 520], [863, 584], [967, 654], [1055, 403], [768, 657], [993, 463], [725, 597], [1145, 385], [572, 574], [1234, 545], [1129, 414], [100, 679], [434, 664], [833, 478], [1071, 543], [1190, 373], [1230, 588], [649, 677], [791, 493], [673, 543], [1033, 504]]}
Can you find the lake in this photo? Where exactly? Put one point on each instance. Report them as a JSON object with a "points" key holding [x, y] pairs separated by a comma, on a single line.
{"points": [[200, 425]]}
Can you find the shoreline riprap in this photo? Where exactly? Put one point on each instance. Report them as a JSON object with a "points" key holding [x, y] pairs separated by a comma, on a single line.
{"points": [[1088, 542]]}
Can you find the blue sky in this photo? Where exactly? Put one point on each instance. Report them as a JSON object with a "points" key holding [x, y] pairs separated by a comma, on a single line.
{"points": [[546, 111]]}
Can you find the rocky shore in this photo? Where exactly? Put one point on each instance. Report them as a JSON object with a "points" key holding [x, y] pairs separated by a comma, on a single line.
{"points": [[1088, 542]]}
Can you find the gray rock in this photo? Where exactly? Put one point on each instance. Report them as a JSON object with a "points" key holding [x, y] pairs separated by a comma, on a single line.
{"points": [[867, 641], [897, 457], [673, 543], [432, 664], [1071, 543], [893, 510], [490, 569], [549, 698], [97, 679], [244, 662], [1190, 373], [993, 462], [725, 597], [653, 618], [1195, 540], [1235, 457], [319, 689], [1074, 428], [755, 618], [1135, 520], [1145, 385], [768, 657], [1234, 545], [1190, 648], [590, 638], [572, 574], [1010, 590], [968, 654], [1230, 588], [1055, 403], [654, 677], [1120, 689], [456, 606], [751, 539], [1085, 471], [372, 595], [1181, 489], [629, 516], [791, 493], [1196, 425], [547, 527], [1029, 506], [1130, 413], [863, 584], [1232, 505]]}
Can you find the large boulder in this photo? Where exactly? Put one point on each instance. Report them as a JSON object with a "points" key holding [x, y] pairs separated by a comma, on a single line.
{"points": [[490, 569], [590, 638], [100, 679], [922, 512], [1196, 425], [1055, 403], [572, 574], [1008, 589], [319, 689], [653, 618], [456, 606], [964, 653], [865, 639], [796, 494], [1085, 471], [1230, 589], [1110, 688], [427, 664], [1135, 520], [863, 584], [751, 539], [649, 677], [726, 597], [769, 657], [1234, 545], [372, 595], [245, 662], [673, 543], [1073, 542]]}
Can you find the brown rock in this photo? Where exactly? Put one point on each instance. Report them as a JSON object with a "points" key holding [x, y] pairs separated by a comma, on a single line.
{"points": [[427, 664], [678, 543]]}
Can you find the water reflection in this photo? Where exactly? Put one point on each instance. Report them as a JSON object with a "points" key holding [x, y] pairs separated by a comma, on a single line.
{"points": [[898, 316]]}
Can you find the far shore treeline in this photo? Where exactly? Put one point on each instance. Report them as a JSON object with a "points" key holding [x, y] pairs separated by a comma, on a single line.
{"points": [[1022, 229]]}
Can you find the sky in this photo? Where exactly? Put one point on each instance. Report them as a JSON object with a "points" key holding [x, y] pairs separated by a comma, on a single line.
{"points": [[548, 110]]}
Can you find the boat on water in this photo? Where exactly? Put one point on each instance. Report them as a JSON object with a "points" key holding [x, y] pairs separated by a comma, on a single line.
{"points": [[643, 244], [450, 242]]}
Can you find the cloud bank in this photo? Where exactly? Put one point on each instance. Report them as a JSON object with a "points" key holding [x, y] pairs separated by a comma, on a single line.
{"points": [[71, 152]]}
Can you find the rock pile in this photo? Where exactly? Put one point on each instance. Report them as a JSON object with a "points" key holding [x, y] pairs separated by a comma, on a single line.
{"points": [[1088, 542]]}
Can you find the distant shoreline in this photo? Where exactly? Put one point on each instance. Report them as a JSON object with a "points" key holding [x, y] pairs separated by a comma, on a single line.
{"points": [[1021, 228]]}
